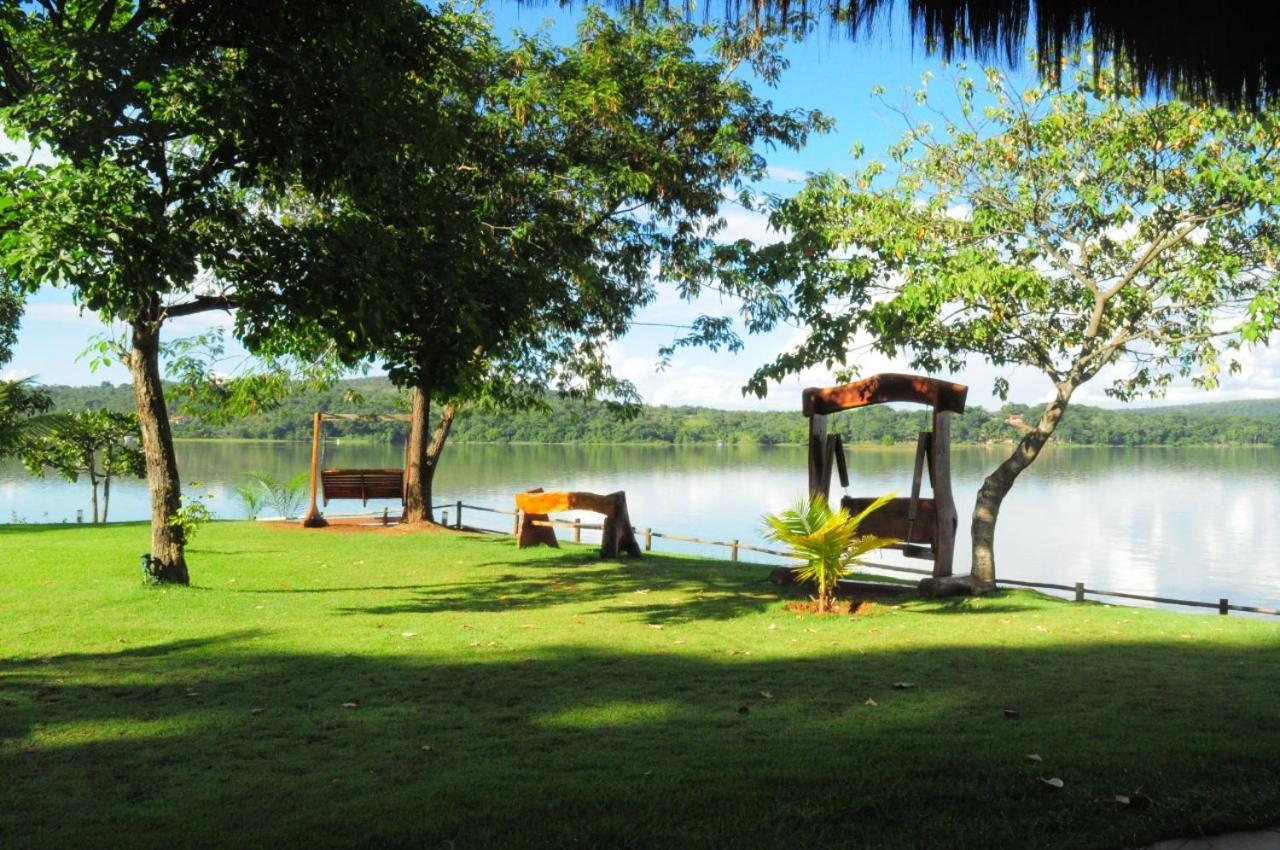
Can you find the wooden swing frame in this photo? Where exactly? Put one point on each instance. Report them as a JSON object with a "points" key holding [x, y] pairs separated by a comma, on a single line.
{"points": [[925, 527], [363, 484]]}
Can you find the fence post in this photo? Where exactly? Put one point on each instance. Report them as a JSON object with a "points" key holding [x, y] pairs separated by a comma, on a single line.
{"points": [[1079, 591], [577, 529], [515, 524], [648, 540], [1222, 607], [458, 518], [733, 553], [444, 517]]}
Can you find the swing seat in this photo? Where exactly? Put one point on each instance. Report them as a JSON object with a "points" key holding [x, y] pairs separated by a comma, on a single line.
{"points": [[362, 484], [916, 540]]}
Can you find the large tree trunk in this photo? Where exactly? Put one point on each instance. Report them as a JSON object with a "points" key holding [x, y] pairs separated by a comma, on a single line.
{"points": [[996, 486], [423, 455], [168, 561]]}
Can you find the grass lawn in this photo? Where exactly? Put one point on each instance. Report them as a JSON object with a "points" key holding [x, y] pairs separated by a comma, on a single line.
{"points": [[330, 689]]}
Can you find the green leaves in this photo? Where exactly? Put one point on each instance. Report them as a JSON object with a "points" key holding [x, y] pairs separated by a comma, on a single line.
{"points": [[1076, 231]]}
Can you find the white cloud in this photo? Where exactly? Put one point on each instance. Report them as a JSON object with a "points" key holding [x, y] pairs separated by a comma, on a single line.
{"points": [[747, 224], [785, 175], [23, 152], [16, 374], [61, 313]]}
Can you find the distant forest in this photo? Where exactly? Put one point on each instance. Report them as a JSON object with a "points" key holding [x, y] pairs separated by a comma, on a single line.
{"points": [[1254, 422]]}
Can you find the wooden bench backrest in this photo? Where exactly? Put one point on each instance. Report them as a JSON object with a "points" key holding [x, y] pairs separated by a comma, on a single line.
{"points": [[362, 484]]}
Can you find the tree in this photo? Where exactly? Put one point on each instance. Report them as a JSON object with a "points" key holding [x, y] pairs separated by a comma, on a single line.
{"points": [[97, 443], [174, 125], [1078, 232], [508, 270]]}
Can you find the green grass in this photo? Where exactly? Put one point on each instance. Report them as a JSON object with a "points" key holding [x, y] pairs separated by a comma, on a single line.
{"points": [[542, 698]]}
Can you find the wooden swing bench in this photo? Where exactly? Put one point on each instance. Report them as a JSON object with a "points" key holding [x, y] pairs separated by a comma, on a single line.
{"points": [[924, 527], [535, 529], [362, 484]]}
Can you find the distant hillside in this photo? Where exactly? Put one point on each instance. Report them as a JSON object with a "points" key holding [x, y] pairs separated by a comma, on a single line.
{"points": [[1253, 422], [1246, 407]]}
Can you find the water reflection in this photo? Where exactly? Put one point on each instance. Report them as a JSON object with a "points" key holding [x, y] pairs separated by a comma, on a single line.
{"points": [[1194, 523]]}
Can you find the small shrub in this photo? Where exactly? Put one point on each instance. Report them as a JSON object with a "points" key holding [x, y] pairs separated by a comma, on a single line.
{"points": [[827, 541]]}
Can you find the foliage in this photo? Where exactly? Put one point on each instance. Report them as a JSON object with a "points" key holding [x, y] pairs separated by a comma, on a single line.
{"points": [[287, 497], [192, 514], [252, 497], [509, 268], [1079, 231], [99, 444], [11, 303], [22, 406], [827, 541]]}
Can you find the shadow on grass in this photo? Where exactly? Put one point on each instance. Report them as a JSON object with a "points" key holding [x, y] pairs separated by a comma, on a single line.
{"points": [[574, 579], [1004, 603], [34, 527], [192, 742]]}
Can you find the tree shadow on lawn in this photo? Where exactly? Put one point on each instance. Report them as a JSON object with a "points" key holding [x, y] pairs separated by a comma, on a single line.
{"points": [[190, 744], [706, 589], [1003, 602]]}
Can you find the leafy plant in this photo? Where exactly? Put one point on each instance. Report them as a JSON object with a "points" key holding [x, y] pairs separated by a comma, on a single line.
{"points": [[287, 497], [193, 513], [253, 496], [827, 541]]}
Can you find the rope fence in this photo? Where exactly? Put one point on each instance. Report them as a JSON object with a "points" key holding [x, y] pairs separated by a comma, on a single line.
{"points": [[1080, 591]]}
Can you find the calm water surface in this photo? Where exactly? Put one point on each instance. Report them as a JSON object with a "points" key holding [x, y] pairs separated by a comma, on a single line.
{"points": [[1189, 523]]}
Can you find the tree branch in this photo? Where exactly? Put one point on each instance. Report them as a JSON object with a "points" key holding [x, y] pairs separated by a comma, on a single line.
{"points": [[202, 304]]}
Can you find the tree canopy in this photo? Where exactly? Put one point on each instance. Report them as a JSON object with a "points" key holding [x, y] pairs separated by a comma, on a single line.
{"points": [[509, 268]]}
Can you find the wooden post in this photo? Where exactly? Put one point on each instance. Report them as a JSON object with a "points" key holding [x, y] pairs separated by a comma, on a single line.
{"points": [[1079, 591], [648, 539], [577, 529], [733, 552], [1223, 607], [458, 519], [313, 519], [444, 517], [819, 458], [944, 546], [515, 523]]}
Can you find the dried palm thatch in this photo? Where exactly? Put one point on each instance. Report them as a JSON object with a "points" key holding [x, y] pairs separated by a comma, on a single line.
{"points": [[1225, 53]]}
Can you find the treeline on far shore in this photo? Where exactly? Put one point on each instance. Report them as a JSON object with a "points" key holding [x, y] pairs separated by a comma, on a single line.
{"points": [[1255, 422]]}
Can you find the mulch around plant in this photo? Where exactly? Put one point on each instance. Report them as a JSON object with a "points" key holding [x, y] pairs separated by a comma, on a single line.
{"points": [[841, 607]]}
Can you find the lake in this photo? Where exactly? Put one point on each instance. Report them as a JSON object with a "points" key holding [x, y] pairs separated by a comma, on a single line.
{"points": [[1187, 523]]}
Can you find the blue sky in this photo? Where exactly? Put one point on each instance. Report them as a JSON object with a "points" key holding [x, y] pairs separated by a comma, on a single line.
{"points": [[828, 73]]}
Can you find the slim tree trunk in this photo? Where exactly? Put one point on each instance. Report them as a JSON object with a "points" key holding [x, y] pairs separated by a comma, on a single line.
{"points": [[423, 455], [996, 486], [106, 495], [93, 489], [168, 560]]}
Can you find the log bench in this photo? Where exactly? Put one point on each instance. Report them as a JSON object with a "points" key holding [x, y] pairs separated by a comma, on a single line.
{"points": [[535, 505]]}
